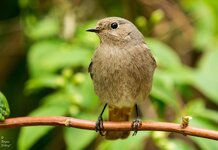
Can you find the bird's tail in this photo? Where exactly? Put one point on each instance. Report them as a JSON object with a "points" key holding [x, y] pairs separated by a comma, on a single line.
{"points": [[118, 115]]}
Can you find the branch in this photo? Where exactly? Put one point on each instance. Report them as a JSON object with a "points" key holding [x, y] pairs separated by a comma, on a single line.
{"points": [[121, 126]]}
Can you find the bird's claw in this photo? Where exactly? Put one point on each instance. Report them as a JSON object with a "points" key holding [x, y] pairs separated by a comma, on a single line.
{"points": [[99, 126], [135, 125]]}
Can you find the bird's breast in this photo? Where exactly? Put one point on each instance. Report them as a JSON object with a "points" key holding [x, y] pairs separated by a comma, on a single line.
{"points": [[116, 77]]}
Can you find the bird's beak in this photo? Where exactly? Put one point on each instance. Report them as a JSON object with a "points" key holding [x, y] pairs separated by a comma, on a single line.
{"points": [[96, 30]]}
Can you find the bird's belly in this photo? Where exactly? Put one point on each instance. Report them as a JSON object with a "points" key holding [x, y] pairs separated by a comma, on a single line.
{"points": [[117, 85]]}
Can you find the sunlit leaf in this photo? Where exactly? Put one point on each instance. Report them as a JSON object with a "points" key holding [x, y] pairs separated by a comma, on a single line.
{"points": [[86, 89], [47, 27], [46, 57], [50, 81], [164, 55], [84, 38], [204, 28], [210, 115], [180, 145], [206, 76], [56, 99], [163, 89], [134, 142], [196, 107], [162, 140], [202, 123], [77, 139], [205, 144], [202, 118]]}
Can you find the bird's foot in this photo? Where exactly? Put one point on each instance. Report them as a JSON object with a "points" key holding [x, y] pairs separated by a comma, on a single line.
{"points": [[99, 126], [135, 125]]}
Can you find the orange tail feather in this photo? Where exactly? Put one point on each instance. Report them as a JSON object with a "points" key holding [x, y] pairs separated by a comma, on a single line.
{"points": [[118, 115]]}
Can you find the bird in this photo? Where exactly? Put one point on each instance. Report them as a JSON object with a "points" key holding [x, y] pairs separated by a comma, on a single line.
{"points": [[121, 69]]}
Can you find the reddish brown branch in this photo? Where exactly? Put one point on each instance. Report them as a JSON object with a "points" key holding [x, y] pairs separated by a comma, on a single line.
{"points": [[90, 125]]}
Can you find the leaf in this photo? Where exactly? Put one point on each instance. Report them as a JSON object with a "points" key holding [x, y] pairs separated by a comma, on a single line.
{"points": [[206, 75], [183, 75], [30, 135], [180, 145], [131, 143], [50, 81], [205, 29], [65, 98], [59, 98], [84, 38], [209, 115], [196, 109], [202, 123], [44, 28], [4, 107], [162, 140], [87, 91], [38, 51], [77, 139], [49, 56], [164, 55], [163, 89], [205, 144], [197, 106]]}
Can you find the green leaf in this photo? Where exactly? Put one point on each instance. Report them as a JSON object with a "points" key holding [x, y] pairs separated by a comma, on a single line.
{"points": [[183, 75], [132, 142], [164, 55], [64, 98], [205, 144], [205, 29], [84, 38], [163, 88], [77, 139], [206, 76], [86, 89], [4, 107], [59, 98], [197, 106], [30, 135], [162, 140], [39, 51], [47, 27], [50, 81], [209, 115], [49, 56], [180, 145], [202, 123]]}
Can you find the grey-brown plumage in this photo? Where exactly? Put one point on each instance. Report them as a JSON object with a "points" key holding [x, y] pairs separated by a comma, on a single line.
{"points": [[121, 69]]}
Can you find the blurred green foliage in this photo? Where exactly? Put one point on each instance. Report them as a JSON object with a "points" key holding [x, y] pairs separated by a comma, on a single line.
{"points": [[58, 77]]}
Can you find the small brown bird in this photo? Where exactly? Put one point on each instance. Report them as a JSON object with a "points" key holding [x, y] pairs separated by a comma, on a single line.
{"points": [[122, 70]]}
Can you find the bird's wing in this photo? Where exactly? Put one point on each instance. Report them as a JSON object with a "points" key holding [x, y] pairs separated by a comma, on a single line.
{"points": [[90, 69]]}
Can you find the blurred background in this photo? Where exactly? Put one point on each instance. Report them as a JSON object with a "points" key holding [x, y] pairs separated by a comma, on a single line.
{"points": [[45, 52]]}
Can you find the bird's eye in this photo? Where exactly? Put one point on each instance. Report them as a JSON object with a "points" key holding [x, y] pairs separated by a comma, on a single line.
{"points": [[114, 25]]}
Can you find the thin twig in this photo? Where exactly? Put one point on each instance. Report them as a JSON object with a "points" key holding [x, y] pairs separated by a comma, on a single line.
{"points": [[115, 126]]}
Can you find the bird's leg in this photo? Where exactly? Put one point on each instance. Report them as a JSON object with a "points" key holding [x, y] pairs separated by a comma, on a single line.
{"points": [[99, 123], [137, 122]]}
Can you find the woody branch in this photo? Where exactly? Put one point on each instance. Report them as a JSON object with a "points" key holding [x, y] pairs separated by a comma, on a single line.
{"points": [[90, 125]]}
